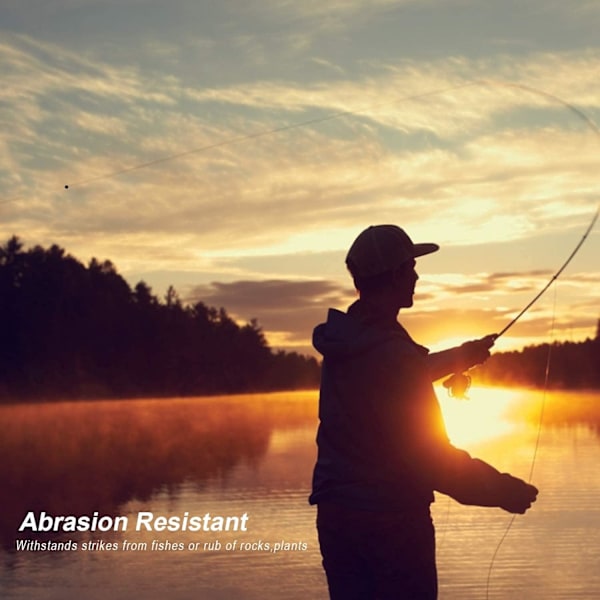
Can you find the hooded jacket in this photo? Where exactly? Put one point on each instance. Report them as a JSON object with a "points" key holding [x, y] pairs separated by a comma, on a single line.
{"points": [[382, 443]]}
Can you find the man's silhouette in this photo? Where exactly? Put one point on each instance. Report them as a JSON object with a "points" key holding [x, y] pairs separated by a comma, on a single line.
{"points": [[382, 444]]}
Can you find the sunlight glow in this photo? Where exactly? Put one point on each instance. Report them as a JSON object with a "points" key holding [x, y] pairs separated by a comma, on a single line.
{"points": [[481, 418]]}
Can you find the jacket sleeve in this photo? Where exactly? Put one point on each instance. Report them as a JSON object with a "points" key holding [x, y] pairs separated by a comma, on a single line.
{"points": [[460, 358], [428, 453]]}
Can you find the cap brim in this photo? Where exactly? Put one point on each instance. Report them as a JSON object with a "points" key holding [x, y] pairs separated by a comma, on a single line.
{"points": [[423, 249]]}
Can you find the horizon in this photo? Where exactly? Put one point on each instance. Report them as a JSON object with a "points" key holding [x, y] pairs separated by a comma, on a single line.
{"points": [[172, 293], [235, 152]]}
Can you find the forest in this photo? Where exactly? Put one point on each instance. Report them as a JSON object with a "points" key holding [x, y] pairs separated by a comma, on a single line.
{"points": [[71, 331], [570, 365]]}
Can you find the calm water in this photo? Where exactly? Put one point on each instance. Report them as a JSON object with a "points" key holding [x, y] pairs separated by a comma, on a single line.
{"points": [[254, 455]]}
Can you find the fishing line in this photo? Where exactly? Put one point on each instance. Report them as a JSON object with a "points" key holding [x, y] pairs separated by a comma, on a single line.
{"points": [[448, 383], [458, 384], [552, 280], [536, 445], [526, 88], [489, 83], [364, 111], [544, 395], [263, 133]]}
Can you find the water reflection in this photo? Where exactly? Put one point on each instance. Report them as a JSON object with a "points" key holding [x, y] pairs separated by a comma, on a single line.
{"points": [[254, 454], [76, 458], [483, 417], [493, 413], [560, 409]]}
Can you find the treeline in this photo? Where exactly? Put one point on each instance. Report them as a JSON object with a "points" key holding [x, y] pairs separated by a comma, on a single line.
{"points": [[73, 331], [573, 365]]}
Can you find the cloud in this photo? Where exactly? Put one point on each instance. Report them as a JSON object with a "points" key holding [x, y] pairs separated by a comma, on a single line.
{"points": [[83, 120], [295, 165], [288, 310], [273, 295], [526, 281], [315, 17], [510, 292]]}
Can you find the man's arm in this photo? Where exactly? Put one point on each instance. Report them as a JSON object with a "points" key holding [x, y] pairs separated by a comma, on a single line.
{"points": [[433, 458], [461, 358]]}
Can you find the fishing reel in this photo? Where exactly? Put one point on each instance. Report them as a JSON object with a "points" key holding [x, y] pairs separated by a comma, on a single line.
{"points": [[458, 385]]}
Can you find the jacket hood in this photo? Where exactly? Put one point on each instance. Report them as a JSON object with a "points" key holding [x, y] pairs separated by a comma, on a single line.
{"points": [[343, 335]]}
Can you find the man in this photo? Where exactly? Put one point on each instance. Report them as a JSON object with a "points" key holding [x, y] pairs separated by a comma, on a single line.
{"points": [[382, 444]]}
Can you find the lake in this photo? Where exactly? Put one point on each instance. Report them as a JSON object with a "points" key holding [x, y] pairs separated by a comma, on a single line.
{"points": [[252, 455]]}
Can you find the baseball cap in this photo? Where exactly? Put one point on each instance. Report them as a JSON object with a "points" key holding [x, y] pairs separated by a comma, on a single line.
{"points": [[381, 248]]}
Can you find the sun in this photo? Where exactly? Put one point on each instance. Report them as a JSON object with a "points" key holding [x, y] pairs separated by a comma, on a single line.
{"points": [[478, 419]]}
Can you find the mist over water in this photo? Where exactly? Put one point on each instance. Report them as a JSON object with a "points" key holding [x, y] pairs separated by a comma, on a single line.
{"points": [[254, 454]]}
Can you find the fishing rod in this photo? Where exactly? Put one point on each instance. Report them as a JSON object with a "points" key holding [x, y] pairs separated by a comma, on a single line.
{"points": [[546, 377], [554, 277], [336, 115], [459, 383]]}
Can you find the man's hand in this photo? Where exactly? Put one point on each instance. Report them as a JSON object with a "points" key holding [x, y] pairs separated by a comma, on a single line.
{"points": [[476, 352], [515, 495]]}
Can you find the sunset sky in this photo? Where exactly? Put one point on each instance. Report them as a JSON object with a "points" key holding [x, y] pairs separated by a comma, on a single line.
{"points": [[292, 126]]}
